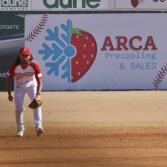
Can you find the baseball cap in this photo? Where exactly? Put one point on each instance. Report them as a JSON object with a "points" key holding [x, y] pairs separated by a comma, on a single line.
{"points": [[25, 51]]}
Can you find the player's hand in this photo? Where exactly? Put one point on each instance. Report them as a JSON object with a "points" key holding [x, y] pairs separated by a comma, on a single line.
{"points": [[10, 98], [38, 95]]}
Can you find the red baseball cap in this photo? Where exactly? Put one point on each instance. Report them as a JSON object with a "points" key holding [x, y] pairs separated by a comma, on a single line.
{"points": [[25, 51]]}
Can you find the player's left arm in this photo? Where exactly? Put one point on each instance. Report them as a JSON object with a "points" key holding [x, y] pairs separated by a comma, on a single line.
{"points": [[39, 85], [38, 76]]}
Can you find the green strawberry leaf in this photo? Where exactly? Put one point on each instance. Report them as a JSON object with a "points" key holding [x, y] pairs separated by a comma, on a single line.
{"points": [[77, 31]]}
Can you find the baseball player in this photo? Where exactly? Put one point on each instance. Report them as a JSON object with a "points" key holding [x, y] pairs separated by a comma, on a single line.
{"points": [[27, 79]]}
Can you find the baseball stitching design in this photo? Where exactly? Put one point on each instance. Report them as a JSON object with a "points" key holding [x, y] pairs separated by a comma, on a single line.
{"points": [[38, 29], [160, 76]]}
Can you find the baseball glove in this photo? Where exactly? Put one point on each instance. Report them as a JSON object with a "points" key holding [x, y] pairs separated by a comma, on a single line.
{"points": [[35, 103]]}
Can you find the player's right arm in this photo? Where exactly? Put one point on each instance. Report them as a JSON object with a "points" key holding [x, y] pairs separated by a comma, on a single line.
{"points": [[9, 88], [9, 81]]}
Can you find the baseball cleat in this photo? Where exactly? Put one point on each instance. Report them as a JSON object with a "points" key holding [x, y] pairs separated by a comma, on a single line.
{"points": [[39, 131], [20, 133]]}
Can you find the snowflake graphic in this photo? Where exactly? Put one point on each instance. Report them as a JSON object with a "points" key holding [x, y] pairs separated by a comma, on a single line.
{"points": [[57, 51]]}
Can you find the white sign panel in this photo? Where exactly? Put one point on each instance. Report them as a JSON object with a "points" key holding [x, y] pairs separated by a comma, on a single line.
{"points": [[15, 5], [99, 51], [70, 5], [54, 5], [83, 5], [148, 5]]}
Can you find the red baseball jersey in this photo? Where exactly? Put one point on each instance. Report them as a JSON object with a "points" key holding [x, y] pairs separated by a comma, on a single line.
{"points": [[23, 76]]}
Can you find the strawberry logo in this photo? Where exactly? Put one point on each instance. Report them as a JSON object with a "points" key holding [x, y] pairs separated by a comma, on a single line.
{"points": [[86, 47], [135, 3], [69, 52]]}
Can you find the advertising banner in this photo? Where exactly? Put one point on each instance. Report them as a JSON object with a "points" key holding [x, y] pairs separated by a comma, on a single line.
{"points": [[99, 51], [11, 39], [54, 5], [83, 5], [141, 5], [71, 5], [15, 5]]}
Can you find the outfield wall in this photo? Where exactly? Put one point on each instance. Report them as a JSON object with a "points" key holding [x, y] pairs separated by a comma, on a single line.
{"points": [[88, 44]]}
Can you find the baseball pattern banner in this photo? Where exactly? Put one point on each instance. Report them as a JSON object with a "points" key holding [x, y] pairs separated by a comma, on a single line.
{"points": [[99, 51]]}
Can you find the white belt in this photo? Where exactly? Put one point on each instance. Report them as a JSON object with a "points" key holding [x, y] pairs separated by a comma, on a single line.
{"points": [[26, 84]]}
